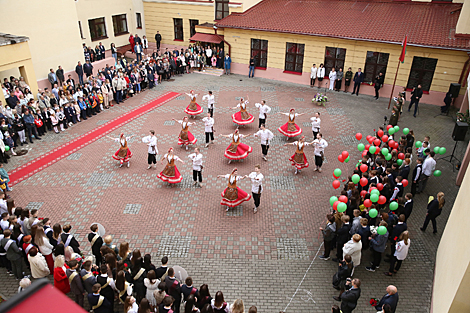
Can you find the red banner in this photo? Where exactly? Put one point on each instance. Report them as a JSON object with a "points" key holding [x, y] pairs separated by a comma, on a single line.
{"points": [[403, 50]]}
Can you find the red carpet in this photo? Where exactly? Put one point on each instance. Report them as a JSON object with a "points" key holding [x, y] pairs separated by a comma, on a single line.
{"points": [[23, 172]]}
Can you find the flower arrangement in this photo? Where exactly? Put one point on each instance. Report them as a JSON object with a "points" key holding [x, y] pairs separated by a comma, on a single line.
{"points": [[374, 301], [320, 99]]}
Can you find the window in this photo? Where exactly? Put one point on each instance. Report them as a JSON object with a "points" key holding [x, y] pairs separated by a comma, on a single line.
{"points": [[221, 9], [80, 28], [97, 29], [334, 57], [376, 62], [192, 26], [120, 24], [178, 23], [422, 72], [138, 18], [259, 51], [294, 57]]}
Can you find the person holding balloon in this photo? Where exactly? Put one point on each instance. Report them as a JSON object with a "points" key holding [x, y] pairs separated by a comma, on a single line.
{"points": [[377, 244], [398, 190]]}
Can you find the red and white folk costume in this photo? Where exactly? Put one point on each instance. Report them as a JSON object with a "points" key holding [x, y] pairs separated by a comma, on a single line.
{"points": [[237, 150], [193, 108], [299, 160], [185, 137], [124, 153], [242, 117], [290, 129], [233, 196], [170, 173]]}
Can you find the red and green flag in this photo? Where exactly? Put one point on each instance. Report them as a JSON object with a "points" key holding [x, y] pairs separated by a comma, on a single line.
{"points": [[403, 50]]}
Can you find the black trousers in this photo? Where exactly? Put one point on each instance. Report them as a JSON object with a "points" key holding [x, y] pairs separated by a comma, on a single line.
{"points": [[376, 258], [312, 81], [31, 131], [209, 135], [377, 92], [211, 111], [318, 161], [256, 198], [433, 220], [158, 45], [392, 247], [327, 246], [152, 158], [265, 149], [196, 175], [315, 134], [356, 85], [394, 264], [413, 188], [261, 121]]}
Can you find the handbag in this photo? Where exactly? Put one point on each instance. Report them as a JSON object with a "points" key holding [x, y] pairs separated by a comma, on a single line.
{"points": [[322, 156]]}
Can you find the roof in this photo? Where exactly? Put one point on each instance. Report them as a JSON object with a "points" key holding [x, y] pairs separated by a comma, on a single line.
{"points": [[8, 39], [206, 38], [426, 24]]}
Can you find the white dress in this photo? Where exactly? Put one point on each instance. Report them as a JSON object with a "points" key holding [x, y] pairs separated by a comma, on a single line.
{"points": [[332, 77], [150, 290]]}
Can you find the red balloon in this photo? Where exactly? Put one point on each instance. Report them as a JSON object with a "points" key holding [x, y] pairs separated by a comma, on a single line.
{"points": [[343, 199], [345, 154], [363, 193], [367, 148], [371, 140], [368, 137], [372, 188], [377, 142], [395, 145], [380, 133], [384, 138], [364, 153], [401, 156], [377, 151], [367, 203], [363, 169], [336, 184], [335, 205], [382, 200], [340, 158], [358, 136], [380, 186], [405, 182], [389, 126], [391, 143], [363, 181]]}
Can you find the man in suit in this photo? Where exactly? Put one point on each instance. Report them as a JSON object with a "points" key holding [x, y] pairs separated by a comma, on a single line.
{"points": [[395, 234], [60, 75], [52, 77], [89, 280], [69, 240], [358, 80], [88, 69], [162, 271], [96, 243], [350, 297], [71, 81], [158, 39], [391, 298], [405, 170], [98, 303], [416, 175], [174, 289], [342, 236], [13, 253], [75, 281], [416, 94], [408, 205]]}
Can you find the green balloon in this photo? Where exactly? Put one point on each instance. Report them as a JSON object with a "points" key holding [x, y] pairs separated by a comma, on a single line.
{"points": [[385, 151], [393, 206], [437, 173], [361, 147], [418, 144], [381, 230], [406, 131], [396, 128], [333, 200], [388, 157], [399, 162], [375, 192], [337, 172], [342, 207], [442, 150], [355, 178], [372, 149], [373, 213], [347, 160], [374, 198], [7, 148], [391, 131], [436, 149]]}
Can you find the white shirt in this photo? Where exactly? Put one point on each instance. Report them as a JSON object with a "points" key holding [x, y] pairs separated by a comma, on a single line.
{"points": [[233, 178], [197, 161], [4, 224], [263, 109], [266, 135], [401, 250], [315, 123], [429, 166], [313, 72], [169, 157], [208, 124], [321, 72], [292, 116], [235, 137], [210, 100], [300, 144], [151, 142], [242, 105], [256, 181], [320, 146], [332, 75]]}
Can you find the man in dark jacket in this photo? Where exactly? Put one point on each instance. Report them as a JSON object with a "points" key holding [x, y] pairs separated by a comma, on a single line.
{"points": [[96, 242], [391, 298], [342, 236], [69, 240], [88, 68], [396, 232], [350, 297], [98, 303], [79, 71], [174, 289], [60, 75], [405, 170], [416, 94], [30, 126], [358, 80], [158, 39], [378, 83], [13, 253]]}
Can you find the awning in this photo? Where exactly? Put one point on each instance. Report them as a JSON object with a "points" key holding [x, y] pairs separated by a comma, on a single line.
{"points": [[212, 38]]}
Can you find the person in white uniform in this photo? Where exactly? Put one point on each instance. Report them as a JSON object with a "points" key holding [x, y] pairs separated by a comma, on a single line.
{"points": [[316, 121], [320, 144], [256, 186], [263, 111], [196, 157], [209, 128], [332, 77], [265, 135], [151, 141], [313, 75], [210, 102]]}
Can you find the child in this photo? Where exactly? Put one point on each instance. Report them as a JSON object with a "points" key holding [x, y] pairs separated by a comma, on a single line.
{"points": [[54, 122], [77, 110], [421, 149], [61, 119], [4, 223], [214, 60], [108, 242], [39, 125], [5, 177], [24, 283], [9, 142]]}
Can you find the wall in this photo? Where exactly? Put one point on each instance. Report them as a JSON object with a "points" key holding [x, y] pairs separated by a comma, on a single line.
{"points": [[452, 271], [448, 69], [463, 25], [52, 28]]}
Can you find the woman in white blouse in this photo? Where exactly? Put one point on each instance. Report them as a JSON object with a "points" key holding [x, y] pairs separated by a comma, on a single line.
{"points": [[320, 74], [313, 75], [332, 77]]}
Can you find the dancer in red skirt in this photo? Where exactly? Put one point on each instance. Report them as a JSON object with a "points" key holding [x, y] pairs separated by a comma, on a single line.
{"points": [[185, 137], [124, 153], [237, 150], [299, 160], [232, 195], [193, 108], [170, 173], [242, 117], [290, 129]]}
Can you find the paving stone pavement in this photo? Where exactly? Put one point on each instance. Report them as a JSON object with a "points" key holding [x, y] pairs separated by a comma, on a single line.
{"points": [[242, 254]]}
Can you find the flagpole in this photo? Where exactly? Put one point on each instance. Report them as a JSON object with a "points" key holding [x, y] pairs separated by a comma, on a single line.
{"points": [[393, 87], [400, 59]]}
